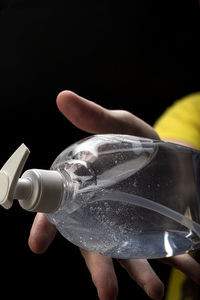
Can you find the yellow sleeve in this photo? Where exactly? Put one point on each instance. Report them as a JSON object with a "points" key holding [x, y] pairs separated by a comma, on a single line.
{"points": [[181, 121]]}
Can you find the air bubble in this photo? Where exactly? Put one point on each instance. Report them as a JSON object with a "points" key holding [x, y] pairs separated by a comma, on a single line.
{"points": [[112, 223]]}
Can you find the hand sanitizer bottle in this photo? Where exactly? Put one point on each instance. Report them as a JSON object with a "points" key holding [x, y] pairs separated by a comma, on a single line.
{"points": [[118, 195]]}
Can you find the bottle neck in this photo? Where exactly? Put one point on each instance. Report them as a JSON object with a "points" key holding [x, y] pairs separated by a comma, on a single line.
{"points": [[40, 190]]}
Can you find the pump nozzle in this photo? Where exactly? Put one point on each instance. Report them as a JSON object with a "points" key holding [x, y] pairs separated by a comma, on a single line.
{"points": [[10, 173]]}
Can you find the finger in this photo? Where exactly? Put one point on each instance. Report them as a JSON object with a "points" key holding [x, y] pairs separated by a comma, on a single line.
{"points": [[93, 118], [41, 235], [185, 263], [141, 271], [103, 275]]}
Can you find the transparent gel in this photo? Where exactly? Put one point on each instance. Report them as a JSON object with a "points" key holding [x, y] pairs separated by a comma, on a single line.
{"points": [[129, 197]]}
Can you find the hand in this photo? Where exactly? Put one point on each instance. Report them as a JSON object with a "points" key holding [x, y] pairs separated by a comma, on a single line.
{"points": [[93, 118]]}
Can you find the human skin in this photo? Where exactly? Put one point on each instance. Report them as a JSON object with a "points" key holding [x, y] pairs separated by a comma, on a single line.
{"points": [[93, 118]]}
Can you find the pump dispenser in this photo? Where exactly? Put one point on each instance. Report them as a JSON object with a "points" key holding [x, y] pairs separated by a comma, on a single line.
{"points": [[118, 195], [37, 190]]}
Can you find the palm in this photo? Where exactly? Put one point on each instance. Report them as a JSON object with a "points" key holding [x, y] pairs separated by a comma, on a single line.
{"points": [[93, 118]]}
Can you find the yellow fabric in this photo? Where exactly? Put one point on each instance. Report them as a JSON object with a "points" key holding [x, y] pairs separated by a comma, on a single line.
{"points": [[181, 121], [176, 286], [174, 289]]}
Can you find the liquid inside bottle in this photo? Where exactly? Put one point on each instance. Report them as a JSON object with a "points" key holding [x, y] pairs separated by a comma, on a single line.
{"points": [[123, 194]]}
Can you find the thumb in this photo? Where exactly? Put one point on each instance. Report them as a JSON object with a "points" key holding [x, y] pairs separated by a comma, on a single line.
{"points": [[94, 118]]}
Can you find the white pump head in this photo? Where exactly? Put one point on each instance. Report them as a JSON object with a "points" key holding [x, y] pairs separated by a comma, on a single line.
{"points": [[10, 173], [37, 190]]}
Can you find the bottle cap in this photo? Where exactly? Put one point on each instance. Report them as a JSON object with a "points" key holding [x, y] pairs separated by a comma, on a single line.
{"points": [[37, 190]]}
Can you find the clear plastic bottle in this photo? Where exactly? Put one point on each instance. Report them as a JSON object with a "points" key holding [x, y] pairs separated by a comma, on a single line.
{"points": [[110, 176], [123, 196]]}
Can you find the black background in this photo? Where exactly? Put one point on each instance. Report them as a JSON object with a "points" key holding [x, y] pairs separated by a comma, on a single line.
{"points": [[134, 55]]}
